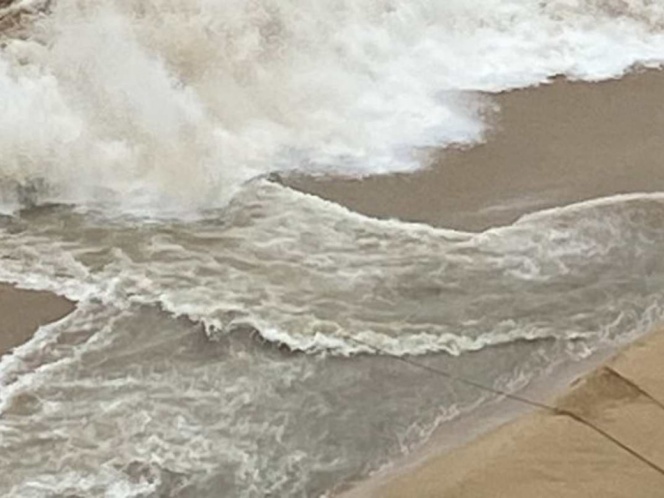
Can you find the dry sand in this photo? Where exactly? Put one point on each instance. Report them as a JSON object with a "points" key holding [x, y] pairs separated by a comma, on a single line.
{"points": [[22, 312], [551, 145]]}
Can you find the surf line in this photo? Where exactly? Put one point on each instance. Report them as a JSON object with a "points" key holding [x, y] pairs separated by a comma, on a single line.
{"points": [[554, 410]]}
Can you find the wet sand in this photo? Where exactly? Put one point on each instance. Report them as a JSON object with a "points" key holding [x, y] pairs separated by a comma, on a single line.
{"points": [[553, 455], [22, 312], [548, 146]]}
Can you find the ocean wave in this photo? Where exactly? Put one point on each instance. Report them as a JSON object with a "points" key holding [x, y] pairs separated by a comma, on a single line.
{"points": [[313, 276], [169, 409], [165, 108]]}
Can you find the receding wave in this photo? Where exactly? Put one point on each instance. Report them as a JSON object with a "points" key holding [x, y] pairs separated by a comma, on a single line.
{"points": [[158, 106], [313, 276], [169, 410]]}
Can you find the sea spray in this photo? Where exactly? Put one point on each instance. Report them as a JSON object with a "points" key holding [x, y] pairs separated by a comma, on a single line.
{"points": [[165, 107]]}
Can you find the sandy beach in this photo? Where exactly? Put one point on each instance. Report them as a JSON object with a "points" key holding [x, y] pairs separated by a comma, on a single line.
{"points": [[553, 455], [22, 312]]}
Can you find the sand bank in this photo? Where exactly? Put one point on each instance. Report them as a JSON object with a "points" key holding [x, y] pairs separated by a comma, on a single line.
{"points": [[548, 146], [22, 312], [548, 455]]}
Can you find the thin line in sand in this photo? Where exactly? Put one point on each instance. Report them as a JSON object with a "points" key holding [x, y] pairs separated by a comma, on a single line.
{"points": [[554, 410]]}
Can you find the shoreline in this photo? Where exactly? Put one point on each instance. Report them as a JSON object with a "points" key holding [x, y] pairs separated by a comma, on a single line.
{"points": [[464, 430], [24, 311], [547, 146], [175, 116], [552, 455], [473, 189]]}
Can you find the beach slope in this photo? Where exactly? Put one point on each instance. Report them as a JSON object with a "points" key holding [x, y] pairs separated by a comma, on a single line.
{"points": [[619, 452]]}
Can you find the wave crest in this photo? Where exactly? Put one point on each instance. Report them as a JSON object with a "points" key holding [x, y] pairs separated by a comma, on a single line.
{"points": [[168, 108]]}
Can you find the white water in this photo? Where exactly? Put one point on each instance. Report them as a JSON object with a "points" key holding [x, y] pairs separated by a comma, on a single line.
{"points": [[121, 399], [309, 274], [167, 107]]}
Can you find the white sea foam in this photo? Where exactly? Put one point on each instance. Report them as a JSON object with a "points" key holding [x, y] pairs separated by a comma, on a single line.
{"points": [[310, 275], [165, 410], [167, 106]]}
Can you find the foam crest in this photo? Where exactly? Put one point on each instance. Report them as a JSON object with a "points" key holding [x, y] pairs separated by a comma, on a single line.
{"points": [[162, 107], [308, 274]]}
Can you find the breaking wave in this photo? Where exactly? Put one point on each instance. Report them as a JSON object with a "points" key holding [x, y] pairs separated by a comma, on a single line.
{"points": [[314, 276], [169, 107]]}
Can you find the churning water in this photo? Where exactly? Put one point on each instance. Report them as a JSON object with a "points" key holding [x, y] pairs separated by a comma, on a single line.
{"points": [[225, 339]]}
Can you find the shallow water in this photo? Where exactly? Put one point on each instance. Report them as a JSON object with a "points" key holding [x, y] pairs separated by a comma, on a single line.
{"points": [[121, 398]]}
